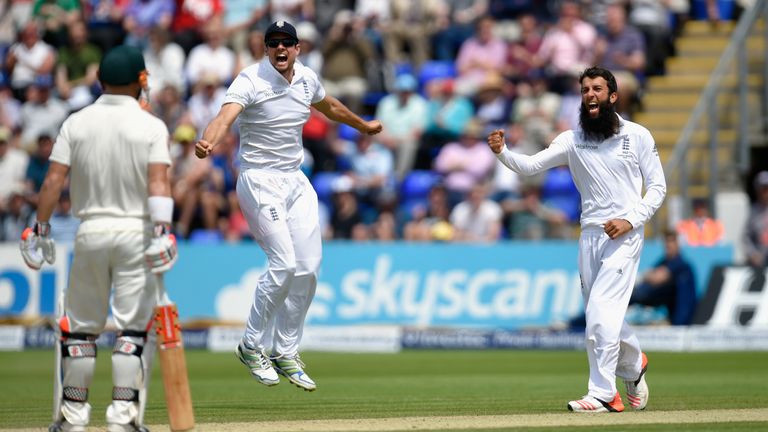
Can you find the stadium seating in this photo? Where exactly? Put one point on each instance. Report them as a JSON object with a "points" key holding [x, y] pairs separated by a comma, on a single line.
{"points": [[559, 191], [323, 184], [435, 69]]}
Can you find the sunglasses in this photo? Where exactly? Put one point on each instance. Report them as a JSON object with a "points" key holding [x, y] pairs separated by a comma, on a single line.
{"points": [[274, 43]]}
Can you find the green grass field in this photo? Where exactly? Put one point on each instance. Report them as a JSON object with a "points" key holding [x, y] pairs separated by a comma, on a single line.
{"points": [[412, 383]]}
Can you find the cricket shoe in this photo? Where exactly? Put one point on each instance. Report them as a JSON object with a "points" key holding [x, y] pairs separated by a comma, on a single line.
{"points": [[590, 404], [293, 369], [637, 391], [258, 364]]}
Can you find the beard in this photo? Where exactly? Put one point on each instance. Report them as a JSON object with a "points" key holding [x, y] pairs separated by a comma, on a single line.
{"points": [[602, 127]]}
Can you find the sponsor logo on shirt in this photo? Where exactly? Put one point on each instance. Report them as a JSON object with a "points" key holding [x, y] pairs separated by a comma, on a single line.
{"points": [[270, 92], [586, 146]]}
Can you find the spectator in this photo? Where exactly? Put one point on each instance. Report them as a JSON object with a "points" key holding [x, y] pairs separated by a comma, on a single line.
{"points": [[241, 17], [411, 25], [16, 215], [521, 53], [531, 219], [372, 172], [447, 115], [27, 59], [479, 56], [536, 108], [493, 102], [63, 221], [104, 19], [165, 62], [191, 17], [402, 114], [38, 164], [41, 113], [254, 49], [212, 57], [206, 100], [141, 16], [189, 181], [310, 56], [506, 183], [77, 67], [466, 163], [477, 218], [345, 215], [567, 47], [455, 25], [56, 16], [431, 221], [294, 11], [670, 283], [701, 229], [13, 167], [10, 107], [756, 230], [168, 105], [652, 18], [346, 53], [621, 49], [325, 12]]}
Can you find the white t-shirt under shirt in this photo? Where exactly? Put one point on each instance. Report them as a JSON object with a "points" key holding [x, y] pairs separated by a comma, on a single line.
{"points": [[609, 175], [274, 114], [108, 146]]}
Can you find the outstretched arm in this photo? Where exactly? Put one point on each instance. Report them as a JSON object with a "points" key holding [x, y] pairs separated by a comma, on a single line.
{"points": [[217, 129], [338, 112], [550, 157]]}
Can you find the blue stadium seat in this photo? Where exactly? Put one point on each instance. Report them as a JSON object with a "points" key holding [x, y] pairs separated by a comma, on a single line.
{"points": [[323, 184], [559, 191], [436, 69], [347, 132], [417, 184]]}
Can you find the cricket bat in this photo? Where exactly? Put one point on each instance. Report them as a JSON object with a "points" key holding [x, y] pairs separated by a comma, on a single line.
{"points": [[173, 364]]}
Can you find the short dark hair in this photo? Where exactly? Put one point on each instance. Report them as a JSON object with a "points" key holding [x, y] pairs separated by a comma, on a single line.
{"points": [[670, 234], [597, 71]]}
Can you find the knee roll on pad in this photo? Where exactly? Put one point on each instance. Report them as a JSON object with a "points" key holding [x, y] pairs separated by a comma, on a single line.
{"points": [[127, 373], [78, 360]]}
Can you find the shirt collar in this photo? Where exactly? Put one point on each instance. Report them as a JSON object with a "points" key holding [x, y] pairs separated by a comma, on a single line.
{"points": [[112, 99], [275, 76]]}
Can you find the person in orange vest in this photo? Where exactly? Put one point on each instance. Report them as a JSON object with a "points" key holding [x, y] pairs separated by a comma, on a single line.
{"points": [[701, 229]]}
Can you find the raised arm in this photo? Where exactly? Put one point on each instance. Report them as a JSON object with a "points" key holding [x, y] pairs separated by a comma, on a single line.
{"points": [[217, 129], [550, 157], [338, 112]]}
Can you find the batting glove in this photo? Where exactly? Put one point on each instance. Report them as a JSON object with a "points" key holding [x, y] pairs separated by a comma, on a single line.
{"points": [[34, 241], [162, 252]]}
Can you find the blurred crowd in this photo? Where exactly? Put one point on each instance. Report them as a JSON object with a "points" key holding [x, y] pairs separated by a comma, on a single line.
{"points": [[439, 74]]}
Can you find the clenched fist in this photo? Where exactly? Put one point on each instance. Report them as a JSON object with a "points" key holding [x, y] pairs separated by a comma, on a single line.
{"points": [[496, 141], [372, 127], [203, 148]]}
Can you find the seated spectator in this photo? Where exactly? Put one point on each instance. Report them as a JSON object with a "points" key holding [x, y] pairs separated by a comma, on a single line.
{"points": [[212, 57], [372, 170], [465, 163], [15, 215], [621, 49], [345, 216], [42, 113], [346, 53], [531, 219], [384, 227], [756, 230], [652, 18], [456, 23], [27, 59], [63, 223], [403, 115], [670, 283], [190, 178], [55, 16], [168, 105], [38, 165], [521, 53], [10, 107], [477, 218], [410, 29], [430, 222], [165, 63], [493, 102], [77, 68], [479, 56], [567, 47], [142, 16], [536, 108], [190, 18], [309, 38], [13, 168], [241, 18], [701, 229], [204, 103]]}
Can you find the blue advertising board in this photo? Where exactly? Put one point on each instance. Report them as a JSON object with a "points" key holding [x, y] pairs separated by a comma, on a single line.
{"points": [[513, 285]]}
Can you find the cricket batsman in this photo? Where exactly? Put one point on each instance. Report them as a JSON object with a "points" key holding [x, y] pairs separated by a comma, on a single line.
{"points": [[116, 156]]}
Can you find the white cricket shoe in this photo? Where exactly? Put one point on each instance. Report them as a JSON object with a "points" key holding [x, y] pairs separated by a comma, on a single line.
{"points": [[293, 369], [637, 391], [258, 364], [590, 404]]}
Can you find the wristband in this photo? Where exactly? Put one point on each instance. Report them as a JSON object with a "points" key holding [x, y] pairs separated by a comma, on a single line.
{"points": [[161, 209], [42, 229]]}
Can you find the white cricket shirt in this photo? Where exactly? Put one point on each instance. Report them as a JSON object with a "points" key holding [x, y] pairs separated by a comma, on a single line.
{"points": [[108, 146], [274, 114], [609, 175]]}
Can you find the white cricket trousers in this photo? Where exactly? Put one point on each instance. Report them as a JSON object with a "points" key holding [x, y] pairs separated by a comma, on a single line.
{"points": [[282, 213], [608, 270]]}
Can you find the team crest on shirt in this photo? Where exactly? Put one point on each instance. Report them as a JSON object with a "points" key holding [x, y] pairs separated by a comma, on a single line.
{"points": [[626, 151], [306, 92], [273, 214]]}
